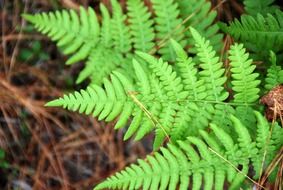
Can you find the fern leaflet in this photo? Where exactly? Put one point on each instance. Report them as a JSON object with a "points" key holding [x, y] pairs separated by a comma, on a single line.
{"points": [[261, 6], [259, 34]]}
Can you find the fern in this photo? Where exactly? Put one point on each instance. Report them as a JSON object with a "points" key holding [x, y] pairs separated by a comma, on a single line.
{"points": [[173, 100], [141, 26], [211, 73], [105, 34], [168, 25], [244, 84], [118, 34], [176, 96], [261, 6], [274, 75], [74, 35], [120, 31], [185, 67], [259, 33], [198, 14], [199, 160]]}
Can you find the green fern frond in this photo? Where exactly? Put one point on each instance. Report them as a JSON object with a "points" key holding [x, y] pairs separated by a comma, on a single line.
{"points": [[74, 34], [259, 34], [168, 25], [141, 25], [175, 165], [120, 31], [171, 99], [106, 27], [158, 98], [137, 29], [106, 104], [186, 69], [244, 82], [199, 15], [212, 72], [274, 75], [261, 6]]}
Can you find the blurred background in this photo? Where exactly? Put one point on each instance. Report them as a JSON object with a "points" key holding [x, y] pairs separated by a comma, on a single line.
{"points": [[51, 148]]}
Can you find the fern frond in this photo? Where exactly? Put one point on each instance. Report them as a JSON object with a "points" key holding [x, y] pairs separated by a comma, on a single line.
{"points": [[186, 69], [120, 96], [201, 112], [120, 31], [199, 15], [173, 100], [106, 104], [261, 6], [106, 27], [274, 75], [175, 165], [244, 82], [258, 33], [81, 35], [170, 99], [141, 25], [158, 98], [75, 34], [167, 25], [212, 73]]}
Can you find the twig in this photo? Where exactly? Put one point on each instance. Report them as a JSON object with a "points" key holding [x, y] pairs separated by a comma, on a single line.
{"points": [[15, 52], [70, 4], [12, 37]]}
